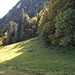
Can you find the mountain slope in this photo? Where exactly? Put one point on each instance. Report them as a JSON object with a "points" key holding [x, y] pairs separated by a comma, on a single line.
{"points": [[20, 23], [33, 57], [31, 7]]}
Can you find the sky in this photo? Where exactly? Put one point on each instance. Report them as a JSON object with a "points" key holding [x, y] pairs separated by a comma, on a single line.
{"points": [[6, 5]]}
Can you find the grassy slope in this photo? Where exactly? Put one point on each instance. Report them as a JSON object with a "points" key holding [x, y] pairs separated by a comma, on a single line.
{"points": [[16, 59]]}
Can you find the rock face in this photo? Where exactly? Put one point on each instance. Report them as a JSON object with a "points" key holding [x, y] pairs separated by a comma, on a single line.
{"points": [[31, 7]]}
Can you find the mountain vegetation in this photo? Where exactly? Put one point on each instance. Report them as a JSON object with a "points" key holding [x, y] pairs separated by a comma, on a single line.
{"points": [[14, 32], [53, 20], [20, 23], [57, 23], [41, 34]]}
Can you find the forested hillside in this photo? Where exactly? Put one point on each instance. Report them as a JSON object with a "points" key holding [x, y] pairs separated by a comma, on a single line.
{"points": [[20, 23], [57, 23], [54, 20], [13, 32], [31, 7]]}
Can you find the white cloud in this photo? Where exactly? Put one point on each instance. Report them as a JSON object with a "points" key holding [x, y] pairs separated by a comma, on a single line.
{"points": [[6, 5]]}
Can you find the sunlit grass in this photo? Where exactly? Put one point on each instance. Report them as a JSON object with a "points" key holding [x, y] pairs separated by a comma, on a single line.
{"points": [[9, 52], [16, 59]]}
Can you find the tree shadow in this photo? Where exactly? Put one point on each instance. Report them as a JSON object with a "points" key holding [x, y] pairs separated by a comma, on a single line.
{"points": [[23, 63], [14, 65]]}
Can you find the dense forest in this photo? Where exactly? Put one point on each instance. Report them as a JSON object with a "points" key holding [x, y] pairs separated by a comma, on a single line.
{"points": [[54, 21], [20, 23], [57, 23]]}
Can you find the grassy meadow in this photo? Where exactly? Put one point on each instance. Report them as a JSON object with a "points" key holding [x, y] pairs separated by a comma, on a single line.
{"points": [[33, 57]]}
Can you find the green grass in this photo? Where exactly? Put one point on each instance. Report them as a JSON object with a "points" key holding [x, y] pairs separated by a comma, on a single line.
{"points": [[15, 59]]}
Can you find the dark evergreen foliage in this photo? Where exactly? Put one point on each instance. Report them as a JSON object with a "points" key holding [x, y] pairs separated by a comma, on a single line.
{"points": [[20, 23], [55, 23], [47, 21]]}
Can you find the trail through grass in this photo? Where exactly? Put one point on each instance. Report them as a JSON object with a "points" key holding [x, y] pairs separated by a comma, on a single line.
{"points": [[33, 57]]}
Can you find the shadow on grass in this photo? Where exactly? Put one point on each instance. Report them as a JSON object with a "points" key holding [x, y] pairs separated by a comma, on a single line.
{"points": [[23, 63], [36, 63]]}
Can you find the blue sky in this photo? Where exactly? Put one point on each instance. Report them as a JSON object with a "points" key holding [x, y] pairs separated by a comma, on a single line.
{"points": [[6, 5]]}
